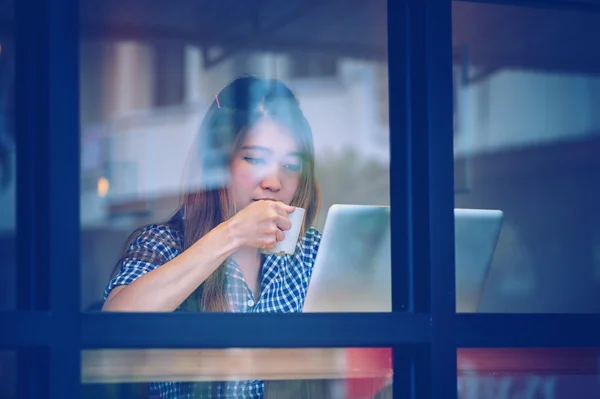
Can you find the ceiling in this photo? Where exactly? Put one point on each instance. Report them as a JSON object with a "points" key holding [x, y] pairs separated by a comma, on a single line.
{"points": [[500, 36], [496, 36], [355, 28]]}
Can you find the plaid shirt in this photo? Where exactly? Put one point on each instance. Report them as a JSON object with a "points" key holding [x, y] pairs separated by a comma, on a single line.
{"points": [[283, 289]]}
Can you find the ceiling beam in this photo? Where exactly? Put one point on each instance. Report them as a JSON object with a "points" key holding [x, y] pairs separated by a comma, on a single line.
{"points": [[262, 32]]}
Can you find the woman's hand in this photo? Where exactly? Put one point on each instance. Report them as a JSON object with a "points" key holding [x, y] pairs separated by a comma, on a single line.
{"points": [[261, 224]]}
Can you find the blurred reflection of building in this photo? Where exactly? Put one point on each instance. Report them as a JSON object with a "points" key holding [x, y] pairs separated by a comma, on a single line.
{"points": [[142, 105], [526, 136], [139, 130]]}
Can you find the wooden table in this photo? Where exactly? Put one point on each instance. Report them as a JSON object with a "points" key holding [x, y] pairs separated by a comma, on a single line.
{"points": [[288, 373], [118, 366], [556, 372], [144, 365]]}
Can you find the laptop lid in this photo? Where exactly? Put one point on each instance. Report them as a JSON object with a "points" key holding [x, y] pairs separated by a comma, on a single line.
{"points": [[352, 271], [476, 233]]}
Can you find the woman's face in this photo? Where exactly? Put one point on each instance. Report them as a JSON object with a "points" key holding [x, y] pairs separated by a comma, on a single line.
{"points": [[268, 165]]}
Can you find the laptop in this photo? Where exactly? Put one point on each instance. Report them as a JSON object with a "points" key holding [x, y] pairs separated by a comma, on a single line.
{"points": [[352, 271]]}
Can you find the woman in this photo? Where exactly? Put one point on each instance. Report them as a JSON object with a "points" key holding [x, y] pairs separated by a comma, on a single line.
{"points": [[207, 257]]}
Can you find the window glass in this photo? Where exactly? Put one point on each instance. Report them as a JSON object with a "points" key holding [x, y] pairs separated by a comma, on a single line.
{"points": [[277, 373], [190, 113], [8, 161], [527, 131], [558, 373]]}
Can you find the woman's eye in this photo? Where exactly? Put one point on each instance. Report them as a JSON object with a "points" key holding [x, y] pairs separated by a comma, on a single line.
{"points": [[293, 167], [254, 161]]}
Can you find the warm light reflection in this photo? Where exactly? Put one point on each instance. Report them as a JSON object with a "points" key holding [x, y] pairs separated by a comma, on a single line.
{"points": [[103, 187]]}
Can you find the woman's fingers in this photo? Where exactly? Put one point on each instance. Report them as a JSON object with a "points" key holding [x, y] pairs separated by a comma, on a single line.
{"points": [[279, 236], [282, 208], [283, 223]]}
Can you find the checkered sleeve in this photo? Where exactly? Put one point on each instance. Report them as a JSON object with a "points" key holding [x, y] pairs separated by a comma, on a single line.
{"points": [[153, 246], [310, 247]]}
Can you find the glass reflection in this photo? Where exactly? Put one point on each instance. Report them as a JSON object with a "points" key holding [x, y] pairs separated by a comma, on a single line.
{"points": [[8, 161], [350, 373], [302, 123], [526, 129], [559, 373]]}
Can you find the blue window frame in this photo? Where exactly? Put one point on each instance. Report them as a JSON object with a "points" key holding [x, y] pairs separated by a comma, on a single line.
{"points": [[424, 330]]}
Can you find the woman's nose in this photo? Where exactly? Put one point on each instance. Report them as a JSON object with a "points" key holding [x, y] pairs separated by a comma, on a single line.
{"points": [[271, 181]]}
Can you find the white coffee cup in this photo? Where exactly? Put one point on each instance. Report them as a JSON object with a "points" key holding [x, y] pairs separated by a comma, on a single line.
{"points": [[288, 245]]}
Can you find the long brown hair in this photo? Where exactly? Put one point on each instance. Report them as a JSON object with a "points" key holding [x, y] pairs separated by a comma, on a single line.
{"points": [[206, 201]]}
